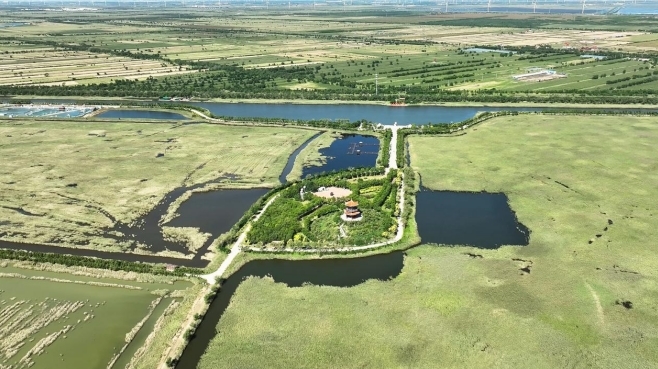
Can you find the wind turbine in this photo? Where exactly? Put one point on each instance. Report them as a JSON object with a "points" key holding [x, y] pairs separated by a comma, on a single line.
{"points": [[488, 6], [583, 11]]}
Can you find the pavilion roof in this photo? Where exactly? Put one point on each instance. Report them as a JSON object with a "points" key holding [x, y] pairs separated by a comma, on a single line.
{"points": [[351, 204]]}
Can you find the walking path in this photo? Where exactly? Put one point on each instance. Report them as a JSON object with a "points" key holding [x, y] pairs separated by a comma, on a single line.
{"points": [[194, 111], [235, 250], [393, 148]]}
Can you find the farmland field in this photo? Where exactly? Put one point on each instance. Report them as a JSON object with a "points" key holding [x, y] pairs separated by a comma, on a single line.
{"points": [[580, 303], [45, 66], [54, 319], [65, 183], [43, 63], [277, 55]]}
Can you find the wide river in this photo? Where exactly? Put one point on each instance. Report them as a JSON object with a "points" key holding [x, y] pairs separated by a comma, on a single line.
{"points": [[384, 114]]}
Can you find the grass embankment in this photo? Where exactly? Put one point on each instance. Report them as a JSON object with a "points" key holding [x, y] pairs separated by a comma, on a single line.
{"points": [[63, 182], [56, 316], [448, 309]]}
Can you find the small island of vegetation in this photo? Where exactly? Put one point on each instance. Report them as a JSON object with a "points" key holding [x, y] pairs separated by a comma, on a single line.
{"points": [[307, 215]]}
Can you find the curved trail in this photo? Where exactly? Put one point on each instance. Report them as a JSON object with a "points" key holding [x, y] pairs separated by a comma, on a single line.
{"points": [[597, 301], [235, 250]]}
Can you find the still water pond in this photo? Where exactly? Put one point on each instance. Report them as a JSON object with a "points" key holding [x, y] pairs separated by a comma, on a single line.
{"points": [[347, 151], [215, 212], [478, 219]]}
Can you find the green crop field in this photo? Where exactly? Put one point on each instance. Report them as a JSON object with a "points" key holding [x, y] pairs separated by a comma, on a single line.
{"points": [[51, 319], [328, 56], [450, 310], [64, 182]]}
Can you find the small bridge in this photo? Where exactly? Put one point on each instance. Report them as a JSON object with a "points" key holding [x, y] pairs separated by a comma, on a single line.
{"points": [[360, 149]]}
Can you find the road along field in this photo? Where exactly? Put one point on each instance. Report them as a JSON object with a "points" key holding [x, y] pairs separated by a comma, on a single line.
{"points": [[50, 319], [66, 183], [562, 301]]}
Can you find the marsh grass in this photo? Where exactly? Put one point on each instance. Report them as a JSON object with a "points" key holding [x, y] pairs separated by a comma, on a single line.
{"points": [[69, 187], [466, 307]]}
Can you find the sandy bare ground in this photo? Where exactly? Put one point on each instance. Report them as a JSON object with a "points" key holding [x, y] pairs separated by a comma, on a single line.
{"points": [[541, 78], [333, 192]]}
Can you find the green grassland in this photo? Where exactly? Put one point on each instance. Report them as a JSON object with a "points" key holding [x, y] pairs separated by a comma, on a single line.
{"points": [[449, 310], [62, 182], [58, 317]]}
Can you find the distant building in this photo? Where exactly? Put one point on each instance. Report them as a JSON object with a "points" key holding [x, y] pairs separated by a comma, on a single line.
{"points": [[597, 57], [482, 50]]}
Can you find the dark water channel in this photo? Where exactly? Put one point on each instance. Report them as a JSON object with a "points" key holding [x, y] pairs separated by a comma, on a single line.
{"points": [[141, 114], [294, 273], [213, 212], [347, 151], [478, 219], [226, 205], [293, 157]]}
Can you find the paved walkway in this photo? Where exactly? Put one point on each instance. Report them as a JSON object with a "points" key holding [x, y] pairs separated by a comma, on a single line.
{"points": [[194, 111], [235, 250]]}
